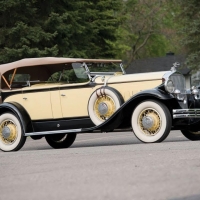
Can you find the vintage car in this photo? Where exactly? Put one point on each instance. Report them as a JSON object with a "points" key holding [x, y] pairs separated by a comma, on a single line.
{"points": [[57, 98]]}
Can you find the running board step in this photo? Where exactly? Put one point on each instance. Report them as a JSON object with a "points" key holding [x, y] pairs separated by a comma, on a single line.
{"points": [[54, 132]]}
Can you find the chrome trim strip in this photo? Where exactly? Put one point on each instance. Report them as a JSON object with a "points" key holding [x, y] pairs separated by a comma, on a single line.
{"points": [[186, 113], [54, 132], [102, 73], [186, 116]]}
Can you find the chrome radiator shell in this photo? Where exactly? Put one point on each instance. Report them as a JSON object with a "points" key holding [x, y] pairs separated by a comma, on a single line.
{"points": [[179, 82]]}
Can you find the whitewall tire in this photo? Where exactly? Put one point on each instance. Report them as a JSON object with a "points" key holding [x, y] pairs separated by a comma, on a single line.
{"points": [[103, 103], [151, 121], [11, 135]]}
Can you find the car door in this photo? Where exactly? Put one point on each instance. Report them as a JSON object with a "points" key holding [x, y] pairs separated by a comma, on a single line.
{"points": [[37, 103], [55, 103], [74, 100]]}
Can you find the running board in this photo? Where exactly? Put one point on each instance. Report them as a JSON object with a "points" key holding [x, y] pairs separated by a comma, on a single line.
{"points": [[54, 132]]}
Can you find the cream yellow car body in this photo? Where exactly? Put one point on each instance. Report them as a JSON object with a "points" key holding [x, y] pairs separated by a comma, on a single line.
{"points": [[57, 98], [73, 102]]}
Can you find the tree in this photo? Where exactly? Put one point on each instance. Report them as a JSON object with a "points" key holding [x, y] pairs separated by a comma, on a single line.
{"points": [[21, 32], [40, 28], [149, 29], [190, 31]]}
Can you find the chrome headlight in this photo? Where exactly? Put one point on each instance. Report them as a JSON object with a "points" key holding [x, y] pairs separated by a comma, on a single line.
{"points": [[169, 86]]}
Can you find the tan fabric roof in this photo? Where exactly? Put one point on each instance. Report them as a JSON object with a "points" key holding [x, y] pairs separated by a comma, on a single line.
{"points": [[47, 61]]}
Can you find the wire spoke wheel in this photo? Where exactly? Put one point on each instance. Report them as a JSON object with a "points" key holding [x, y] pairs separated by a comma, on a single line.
{"points": [[151, 121], [11, 134], [8, 132], [103, 103], [104, 107]]}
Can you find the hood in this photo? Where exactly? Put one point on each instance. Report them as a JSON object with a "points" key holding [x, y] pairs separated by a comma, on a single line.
{"points": [[133, 77]]}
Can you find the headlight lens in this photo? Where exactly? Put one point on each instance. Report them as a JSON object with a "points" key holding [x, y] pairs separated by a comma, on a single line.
{"points": [[169, 86]]}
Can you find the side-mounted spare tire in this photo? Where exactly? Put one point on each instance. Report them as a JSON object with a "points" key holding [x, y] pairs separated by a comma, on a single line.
{"points": [[103, 103]]}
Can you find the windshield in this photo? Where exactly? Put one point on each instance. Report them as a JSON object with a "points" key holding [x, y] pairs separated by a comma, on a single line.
{"points": [[107, 68], [71, 74]]}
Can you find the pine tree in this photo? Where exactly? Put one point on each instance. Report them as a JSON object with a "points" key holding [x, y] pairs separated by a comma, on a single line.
{"points": [[22, 33], [39, 28]]}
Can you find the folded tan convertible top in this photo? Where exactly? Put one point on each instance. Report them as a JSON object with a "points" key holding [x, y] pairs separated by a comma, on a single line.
{"points": [[48, 61]]}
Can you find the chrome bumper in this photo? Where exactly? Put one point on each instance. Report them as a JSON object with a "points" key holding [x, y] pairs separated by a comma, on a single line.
{"points": [[186, 113]]}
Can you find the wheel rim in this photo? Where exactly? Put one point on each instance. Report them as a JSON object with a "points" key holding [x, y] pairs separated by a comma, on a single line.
{"points": [[196, 133], [149, 122], [58, 138], [8, 132], [104, 107]]}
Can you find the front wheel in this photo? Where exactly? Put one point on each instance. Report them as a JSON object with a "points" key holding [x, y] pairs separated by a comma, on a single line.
{"points": [[151, 121], [191, 135], [11, 134], [60, 141]]}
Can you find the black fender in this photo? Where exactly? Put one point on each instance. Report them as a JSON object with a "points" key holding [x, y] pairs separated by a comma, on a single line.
{"points": [[128, 107], [19, 112], [154, 94]]}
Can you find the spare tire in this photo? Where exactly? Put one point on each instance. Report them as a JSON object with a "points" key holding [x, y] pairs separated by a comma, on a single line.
{"points": [[103, 103]]}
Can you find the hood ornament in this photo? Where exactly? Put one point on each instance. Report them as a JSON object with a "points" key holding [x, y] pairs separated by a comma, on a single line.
{"points": [[175, 65]]}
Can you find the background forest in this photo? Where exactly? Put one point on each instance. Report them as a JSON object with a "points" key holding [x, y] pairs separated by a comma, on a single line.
{"points": [[126, 29]]}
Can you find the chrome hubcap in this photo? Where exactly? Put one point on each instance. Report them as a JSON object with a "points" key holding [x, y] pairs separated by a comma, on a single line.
{"points": [[149, 122], [103, 108], [8, 132]]}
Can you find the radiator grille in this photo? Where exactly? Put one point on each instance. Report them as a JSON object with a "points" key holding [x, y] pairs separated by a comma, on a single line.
{"points": [[179, 82]]}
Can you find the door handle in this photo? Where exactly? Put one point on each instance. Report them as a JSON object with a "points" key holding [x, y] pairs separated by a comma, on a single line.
{"points": [[24, 98], [63, 95]]}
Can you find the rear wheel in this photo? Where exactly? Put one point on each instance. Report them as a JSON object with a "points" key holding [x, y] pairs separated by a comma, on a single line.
{"points": [[191, 135], [60, 141], [11, 135], [151, 121], [36, 137]]}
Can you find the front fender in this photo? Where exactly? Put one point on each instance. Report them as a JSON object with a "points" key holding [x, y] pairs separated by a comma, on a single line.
{"points": [[20, 112], [157, 93], [127, 108]]}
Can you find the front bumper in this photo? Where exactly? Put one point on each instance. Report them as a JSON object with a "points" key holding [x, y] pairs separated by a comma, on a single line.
{"points": [[186, 113]]}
